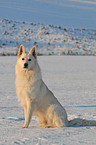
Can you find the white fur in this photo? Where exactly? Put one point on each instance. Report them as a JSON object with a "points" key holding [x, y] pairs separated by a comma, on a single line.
{"points": [[35, 97]]}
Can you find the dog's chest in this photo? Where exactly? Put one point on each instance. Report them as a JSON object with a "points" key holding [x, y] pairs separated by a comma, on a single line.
{"points": [[27, 88]]}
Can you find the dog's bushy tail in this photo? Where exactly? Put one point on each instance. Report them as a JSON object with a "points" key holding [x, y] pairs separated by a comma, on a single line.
{"points": [[81, 122]]}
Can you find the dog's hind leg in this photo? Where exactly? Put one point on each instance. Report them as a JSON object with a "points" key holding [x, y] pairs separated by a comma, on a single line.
{"points": [[42, 119], [28, 109], [57, 116]]}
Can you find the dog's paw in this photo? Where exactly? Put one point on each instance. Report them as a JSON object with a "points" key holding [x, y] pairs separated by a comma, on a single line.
{"points": [[25, 126], [45, 126], [48, 127]]}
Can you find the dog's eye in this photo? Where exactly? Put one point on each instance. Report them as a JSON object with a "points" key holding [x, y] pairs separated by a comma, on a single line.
{"points": [[29, 59], [22, 58]]}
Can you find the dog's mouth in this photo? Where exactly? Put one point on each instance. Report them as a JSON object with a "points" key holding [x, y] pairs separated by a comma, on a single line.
{"points": [[25, 67]]}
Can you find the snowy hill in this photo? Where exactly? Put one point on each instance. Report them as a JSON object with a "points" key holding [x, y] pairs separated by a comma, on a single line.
{"points": [[56, 27], [49, 39]]}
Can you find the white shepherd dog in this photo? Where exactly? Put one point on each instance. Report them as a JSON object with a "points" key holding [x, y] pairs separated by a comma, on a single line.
{"points": [[36, 98]]}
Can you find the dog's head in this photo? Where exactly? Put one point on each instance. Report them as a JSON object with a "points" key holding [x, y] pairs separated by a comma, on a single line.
{"points": [[27, 61]]}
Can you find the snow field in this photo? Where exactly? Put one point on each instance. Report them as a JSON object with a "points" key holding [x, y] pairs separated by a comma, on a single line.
{"points": [[73, 81], [49, 39]]}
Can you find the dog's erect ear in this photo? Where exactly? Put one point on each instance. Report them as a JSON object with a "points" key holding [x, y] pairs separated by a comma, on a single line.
{"points": [[21, 50], [33, 51]]}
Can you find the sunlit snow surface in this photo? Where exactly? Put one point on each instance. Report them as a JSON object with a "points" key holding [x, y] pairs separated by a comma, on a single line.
{"points": [[54, 26], [73, 81], [49, 39]]}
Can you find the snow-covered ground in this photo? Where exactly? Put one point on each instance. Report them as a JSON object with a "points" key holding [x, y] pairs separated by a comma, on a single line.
{"points": [[73, 81]]}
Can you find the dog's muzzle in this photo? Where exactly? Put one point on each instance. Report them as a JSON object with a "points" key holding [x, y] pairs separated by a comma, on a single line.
{"points": [[25, 65]]}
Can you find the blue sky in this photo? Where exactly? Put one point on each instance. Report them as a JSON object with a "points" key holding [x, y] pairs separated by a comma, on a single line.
{"points": [[68, 13]]}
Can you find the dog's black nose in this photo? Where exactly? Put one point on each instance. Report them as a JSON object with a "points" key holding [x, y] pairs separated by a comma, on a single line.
{"points": [[25, 65]]}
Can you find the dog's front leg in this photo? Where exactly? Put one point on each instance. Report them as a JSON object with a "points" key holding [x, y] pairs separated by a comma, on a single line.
{"points": [[28, 113]]}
